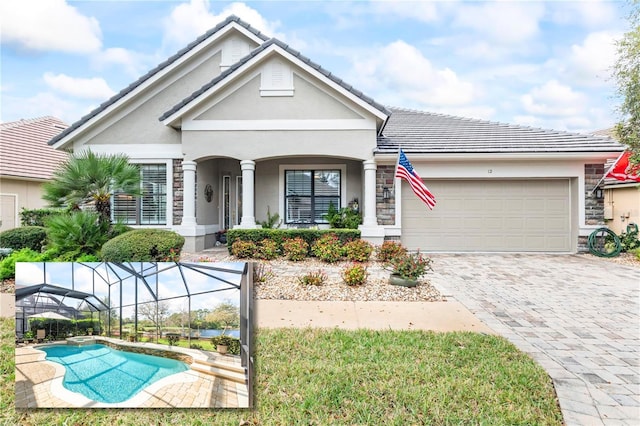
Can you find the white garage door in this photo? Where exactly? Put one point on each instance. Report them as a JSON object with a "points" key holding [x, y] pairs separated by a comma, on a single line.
{"points": [[489, 216]]}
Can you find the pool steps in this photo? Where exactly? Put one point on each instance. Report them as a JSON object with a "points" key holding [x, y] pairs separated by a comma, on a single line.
{"points": [[223, 370]]}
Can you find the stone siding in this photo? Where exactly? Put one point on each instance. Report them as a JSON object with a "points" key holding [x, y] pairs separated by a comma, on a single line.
{"points": [[385, 209], [593, 207], [177, 191], [148, 351]]}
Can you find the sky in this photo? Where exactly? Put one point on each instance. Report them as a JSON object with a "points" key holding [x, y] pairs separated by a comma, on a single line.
{"points": [[542, 64]]}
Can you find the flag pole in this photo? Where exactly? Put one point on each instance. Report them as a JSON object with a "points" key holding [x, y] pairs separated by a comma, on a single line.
{"points": [[606, 173]]}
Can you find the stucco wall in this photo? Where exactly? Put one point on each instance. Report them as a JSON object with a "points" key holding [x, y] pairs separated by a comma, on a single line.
{"points": [[27, 194], [624, 203], [308, 102], [138, 123]]}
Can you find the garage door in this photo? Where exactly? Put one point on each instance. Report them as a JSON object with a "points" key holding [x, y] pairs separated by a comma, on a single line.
{"points": [[489, 216]]}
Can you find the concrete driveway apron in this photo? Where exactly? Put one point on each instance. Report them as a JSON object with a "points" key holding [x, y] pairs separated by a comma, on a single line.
{"points": [[577, 316]]}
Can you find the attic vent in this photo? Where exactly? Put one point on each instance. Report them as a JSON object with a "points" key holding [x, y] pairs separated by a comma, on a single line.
{"points": [[233, 50], [276, 79]]}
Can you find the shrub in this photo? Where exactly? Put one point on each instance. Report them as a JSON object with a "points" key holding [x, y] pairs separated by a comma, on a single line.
{"points": [[318, 277], [243, 249], [232, 344], [142, 245], [355, 274], [629, 240], [295, 249], [260, 273], [410, 266], [327, 248], [279, 235], [358, 250], [346, 217], [273, 220], [267, 249], [37, 217], [31, 237], [8, 264], [389, 250], [77, 233], [637, 253]]}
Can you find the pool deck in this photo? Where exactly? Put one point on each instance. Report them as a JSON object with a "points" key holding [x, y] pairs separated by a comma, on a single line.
{"points": [[39, 385]]}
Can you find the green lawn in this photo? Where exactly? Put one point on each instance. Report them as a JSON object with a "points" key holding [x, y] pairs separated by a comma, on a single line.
{"points": [[351, 377]]}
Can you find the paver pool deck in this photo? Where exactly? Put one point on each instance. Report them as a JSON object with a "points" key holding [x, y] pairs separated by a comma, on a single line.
{"points": [[39, 385]]}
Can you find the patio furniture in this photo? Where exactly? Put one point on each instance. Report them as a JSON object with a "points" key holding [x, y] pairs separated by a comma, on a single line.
{"points": [[40, 335]]}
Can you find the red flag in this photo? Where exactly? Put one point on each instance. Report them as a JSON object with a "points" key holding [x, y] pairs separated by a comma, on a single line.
{"points": [[622, 170], [404, 170]]}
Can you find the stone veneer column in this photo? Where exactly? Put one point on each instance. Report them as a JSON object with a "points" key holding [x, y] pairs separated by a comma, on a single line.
{"points": [[189, 193], [248, 180], [178, 189], [593, 208], [385, 209]]}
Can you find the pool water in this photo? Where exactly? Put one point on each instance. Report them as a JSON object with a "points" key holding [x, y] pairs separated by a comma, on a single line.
{"points": [[108, 375]]}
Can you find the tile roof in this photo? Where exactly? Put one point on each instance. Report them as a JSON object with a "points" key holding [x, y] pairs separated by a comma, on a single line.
{"points": [[154, 71], [24, 150], [424, 132], [257, 51]]}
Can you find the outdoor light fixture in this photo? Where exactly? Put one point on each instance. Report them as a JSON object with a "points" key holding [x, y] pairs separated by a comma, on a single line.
{"points": [[599, 194], [386, 193]]}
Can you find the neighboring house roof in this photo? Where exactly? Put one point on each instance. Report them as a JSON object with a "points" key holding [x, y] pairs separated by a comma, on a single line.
{"points": [[424, 132], [154, 71], [24, 150], [292, 52]]}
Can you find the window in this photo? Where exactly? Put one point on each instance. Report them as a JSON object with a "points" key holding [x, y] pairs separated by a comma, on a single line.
{"points": [[151, 207], [309, 194]]}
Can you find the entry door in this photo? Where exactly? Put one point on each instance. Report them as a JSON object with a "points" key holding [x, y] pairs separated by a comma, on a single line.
{"points": [[231, 202], [8, 211]]}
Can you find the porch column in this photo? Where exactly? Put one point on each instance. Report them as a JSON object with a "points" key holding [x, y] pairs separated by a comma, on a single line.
{"points": [[370, 230], [248, 220], [189, 193], [369, 214]]}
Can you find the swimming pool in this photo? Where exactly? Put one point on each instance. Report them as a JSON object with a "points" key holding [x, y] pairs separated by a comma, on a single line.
{"points": [[107, 375]]}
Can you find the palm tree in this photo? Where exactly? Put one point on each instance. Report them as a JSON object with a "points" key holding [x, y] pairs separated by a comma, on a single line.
{"points": [[87, 177]]}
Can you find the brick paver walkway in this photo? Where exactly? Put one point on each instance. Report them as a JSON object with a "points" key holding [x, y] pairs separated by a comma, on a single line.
{"points": [[577, 316]]}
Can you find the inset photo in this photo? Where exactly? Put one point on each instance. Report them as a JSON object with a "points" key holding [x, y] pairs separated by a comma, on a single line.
{"points": [[134, 335]]}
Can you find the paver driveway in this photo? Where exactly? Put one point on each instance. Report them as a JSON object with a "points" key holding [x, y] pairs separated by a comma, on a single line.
{"points": [[577, 316]]}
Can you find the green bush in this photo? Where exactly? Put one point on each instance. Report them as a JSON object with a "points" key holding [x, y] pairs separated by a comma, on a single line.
{"points": [[629, 240], [390, 250], [355, 274], [232, 344], [38, 217], [31, 237], [77, 233], [8, 264], [358, 250], [346, 217], [327, 248], [280, 235], [318, 277], [267, 250], [295, 249], [244, 249], [142, 245]]}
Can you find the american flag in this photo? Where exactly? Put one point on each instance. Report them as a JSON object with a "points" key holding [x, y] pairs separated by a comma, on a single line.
{"points": [[404, 170]]}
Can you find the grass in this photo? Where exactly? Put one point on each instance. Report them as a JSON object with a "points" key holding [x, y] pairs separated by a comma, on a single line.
{"points": [[363, 377]]}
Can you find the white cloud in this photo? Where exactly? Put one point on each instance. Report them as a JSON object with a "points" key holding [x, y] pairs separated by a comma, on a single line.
{"points": [[402, 70], [505, 23], [591, 62], [41, 104], [190, 20], [553, 98], [421, 11], [133, 63], [48, 25], [83, 88], [586, 13]]}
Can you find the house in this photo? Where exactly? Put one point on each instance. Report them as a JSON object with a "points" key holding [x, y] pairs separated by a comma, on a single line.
{"points": [[237, 123], [621, 198], [26, 161]]}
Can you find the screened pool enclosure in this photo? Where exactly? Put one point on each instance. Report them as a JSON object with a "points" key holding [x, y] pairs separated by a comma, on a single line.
{"points": [[113, 299]]}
